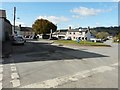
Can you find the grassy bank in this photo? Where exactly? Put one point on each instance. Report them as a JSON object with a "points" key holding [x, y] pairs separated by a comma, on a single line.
{"points": [[81, 43]]}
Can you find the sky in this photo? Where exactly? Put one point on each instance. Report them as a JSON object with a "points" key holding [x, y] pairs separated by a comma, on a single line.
{"points": [[64, 14]]}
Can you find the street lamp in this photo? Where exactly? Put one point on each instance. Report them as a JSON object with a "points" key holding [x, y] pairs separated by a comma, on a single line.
{"points": [[14, 19]]}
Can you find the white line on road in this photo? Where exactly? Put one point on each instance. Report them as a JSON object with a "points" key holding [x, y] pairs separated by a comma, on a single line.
{"points": [[1, 77], [1, 69], [12, 64], [52, 83], [13, 69], [116, 64], [0, 85], [1, 65], [15, 82], [14, 76]]}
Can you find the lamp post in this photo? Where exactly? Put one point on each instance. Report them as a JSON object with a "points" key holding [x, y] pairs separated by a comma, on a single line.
{"points": [[50, 34], [14, 19]]}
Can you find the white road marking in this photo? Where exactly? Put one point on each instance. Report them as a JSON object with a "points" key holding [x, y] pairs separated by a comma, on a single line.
{"points": [[73, 79], [1, 69], [115, 64], [0, 85], [102, 69], [14, 76], [1, 77], [13, 69], [15, 82], [12, 64], [1, 65], [84, 59], [52, 83]]}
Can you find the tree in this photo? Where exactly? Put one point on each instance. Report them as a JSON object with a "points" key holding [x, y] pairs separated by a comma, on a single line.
{"points": [[94, 32], [102, 35], [118, 35], [43, 26]]}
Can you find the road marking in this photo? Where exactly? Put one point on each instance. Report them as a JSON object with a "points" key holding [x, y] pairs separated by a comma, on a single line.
{"points": [[12, 64], [15, 82], [115, 64], [14, 76], [0, 85], [1, 65], [13, 69], [1, 69], [1, 76], [52, 83]]}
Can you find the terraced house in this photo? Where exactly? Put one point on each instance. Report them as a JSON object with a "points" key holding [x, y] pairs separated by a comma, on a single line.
{"points": [[74, 34], [78, 33]]}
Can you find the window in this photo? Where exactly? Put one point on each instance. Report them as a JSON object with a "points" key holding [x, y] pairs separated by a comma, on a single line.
{"points": [[80, 33], [70, 33], [82, 38], [79, 38], [74, 33]]}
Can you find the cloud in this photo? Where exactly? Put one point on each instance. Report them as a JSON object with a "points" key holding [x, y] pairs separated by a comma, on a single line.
{"points": [[84, 11], [17, 23], [116, 0], [54, 19]]}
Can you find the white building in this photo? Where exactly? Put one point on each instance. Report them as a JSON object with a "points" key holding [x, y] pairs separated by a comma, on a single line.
{"points": [[79, 33], [74, 34], [60, 34]]}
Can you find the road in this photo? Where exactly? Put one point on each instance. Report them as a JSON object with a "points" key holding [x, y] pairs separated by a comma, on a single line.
{"points": [[43, 64]]}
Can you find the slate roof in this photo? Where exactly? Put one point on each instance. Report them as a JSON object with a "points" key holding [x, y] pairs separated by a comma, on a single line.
{"points": [[77, 30], [25, 29]]}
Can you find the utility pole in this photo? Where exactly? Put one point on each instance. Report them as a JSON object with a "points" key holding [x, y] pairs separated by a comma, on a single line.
{"points": [[14, 18]]}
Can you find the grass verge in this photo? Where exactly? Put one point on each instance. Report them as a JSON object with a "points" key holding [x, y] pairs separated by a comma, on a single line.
{"points": [[81, 43]]}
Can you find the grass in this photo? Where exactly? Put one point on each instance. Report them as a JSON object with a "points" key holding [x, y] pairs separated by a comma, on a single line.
{"points": [[82, 43]]}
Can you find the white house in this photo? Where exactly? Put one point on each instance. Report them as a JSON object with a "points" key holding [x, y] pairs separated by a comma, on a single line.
{"points": [[74, 34], [60, 34], [78, 33]]}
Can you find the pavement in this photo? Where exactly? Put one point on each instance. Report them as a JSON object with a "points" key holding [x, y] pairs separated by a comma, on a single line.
{"points": [[43, 64]]}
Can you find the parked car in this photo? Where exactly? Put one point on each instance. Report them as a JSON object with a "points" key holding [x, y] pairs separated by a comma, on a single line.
{"points": [[53, 38], [69, 38], [18, 40]]}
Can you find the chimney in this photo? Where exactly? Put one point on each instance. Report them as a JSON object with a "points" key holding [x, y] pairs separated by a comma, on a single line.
{"points": [[88, 27], [69, 28], [20, 25], [3, 13]]}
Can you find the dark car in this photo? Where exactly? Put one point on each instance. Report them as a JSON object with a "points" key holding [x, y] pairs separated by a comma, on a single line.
{"points": [[53, 38]]}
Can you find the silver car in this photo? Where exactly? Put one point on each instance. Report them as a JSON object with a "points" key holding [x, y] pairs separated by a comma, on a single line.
{"points": [[18, 40]]}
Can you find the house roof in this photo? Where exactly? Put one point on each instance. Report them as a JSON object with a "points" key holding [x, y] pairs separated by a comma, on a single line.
{"points": [[62, 30], [78, 30], [60, 33], [2, 13], [25, 29]]}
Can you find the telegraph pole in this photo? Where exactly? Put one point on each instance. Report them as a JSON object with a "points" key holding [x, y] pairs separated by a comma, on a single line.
{"points": [[14, 18]]}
